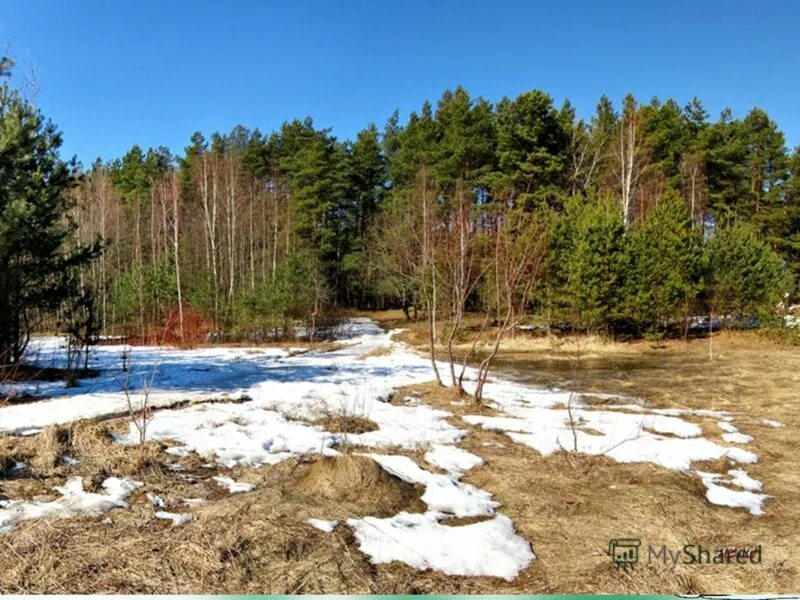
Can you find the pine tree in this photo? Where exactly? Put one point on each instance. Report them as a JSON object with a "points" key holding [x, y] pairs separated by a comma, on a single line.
{"points": [[37, 265], [532, 149], [662, 274], [745, 277], [592, 265]]}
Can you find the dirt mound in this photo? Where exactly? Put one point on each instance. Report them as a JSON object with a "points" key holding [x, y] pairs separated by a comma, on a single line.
{"points": [[361, 482]]}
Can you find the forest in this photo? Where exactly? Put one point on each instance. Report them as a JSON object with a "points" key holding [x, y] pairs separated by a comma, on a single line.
{"points": [[626, 222]]}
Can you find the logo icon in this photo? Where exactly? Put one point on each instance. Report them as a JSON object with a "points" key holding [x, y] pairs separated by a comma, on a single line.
{"points": [[624, 552]]}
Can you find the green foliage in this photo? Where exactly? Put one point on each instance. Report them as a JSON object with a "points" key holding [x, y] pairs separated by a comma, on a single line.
{"points": [[36, 265], [276, 228], [591, 266], [531, 149], [663, 273], [158, 293], [299, 294], [745, 277]]}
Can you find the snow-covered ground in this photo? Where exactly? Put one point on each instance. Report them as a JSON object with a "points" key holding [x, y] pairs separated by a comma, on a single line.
{"points": [[287, 392]]}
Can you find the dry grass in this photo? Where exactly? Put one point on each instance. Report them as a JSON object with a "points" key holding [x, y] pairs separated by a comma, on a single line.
{"points": [[568, 506], [343, 423], [361, 481]]}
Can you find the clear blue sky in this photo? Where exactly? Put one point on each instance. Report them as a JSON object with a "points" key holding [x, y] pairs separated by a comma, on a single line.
{"points": [[115, 73]]}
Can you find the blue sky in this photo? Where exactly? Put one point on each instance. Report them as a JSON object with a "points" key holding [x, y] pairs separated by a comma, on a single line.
{"points": [[115, 73]]}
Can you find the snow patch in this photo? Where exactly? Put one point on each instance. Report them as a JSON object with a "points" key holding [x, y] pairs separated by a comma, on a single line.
{"points": [[234, 487], [176, 518], [724, 496], [323, 525], [443, 493], [489, 548], [74, 502], [736, 438], [452, 459]]}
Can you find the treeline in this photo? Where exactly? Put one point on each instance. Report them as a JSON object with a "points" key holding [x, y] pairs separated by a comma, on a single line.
{"points": [[252, 232], [647, 213]]}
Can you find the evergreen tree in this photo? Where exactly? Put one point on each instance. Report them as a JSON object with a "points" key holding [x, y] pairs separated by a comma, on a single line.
{"points": [[36, 263], [592, 262], [745, 277], [531, 149], [662, 275]]}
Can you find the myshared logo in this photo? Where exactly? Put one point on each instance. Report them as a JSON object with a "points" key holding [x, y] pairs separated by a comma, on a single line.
{"points": [[624, 553]]}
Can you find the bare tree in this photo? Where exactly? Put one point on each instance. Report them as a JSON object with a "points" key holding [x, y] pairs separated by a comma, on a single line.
{"points": [[630, 158], [694, 180], [461, 270], [519, 244]]}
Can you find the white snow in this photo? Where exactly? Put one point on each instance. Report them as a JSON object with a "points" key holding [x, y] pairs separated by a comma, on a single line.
{"points": [[425, 541], [452, 459], [488, 548], [74, 502], [728, 427], [771, 423], [443, 493], [736, 438], [623, 437], [176, 518], [155, 500], [234, 487], [323, 525], [724, 496], [195, 501], [743, 480]]}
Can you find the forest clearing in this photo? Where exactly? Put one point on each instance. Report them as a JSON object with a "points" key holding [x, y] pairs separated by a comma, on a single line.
{"points": [[393, 298], [345, 470]]}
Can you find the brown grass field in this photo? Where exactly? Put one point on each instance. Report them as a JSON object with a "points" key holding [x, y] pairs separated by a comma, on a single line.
{"points": [[568, 506]]}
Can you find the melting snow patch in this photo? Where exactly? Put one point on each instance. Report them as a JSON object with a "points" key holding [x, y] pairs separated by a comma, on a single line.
{"points": [[155, 500], [235, 434], [724, 496], [323, 525], [623, 437], [195, 501], [737, 438], [176, 518], [489, 548], [443, 494], [452, 459], [74, 502], [772, 423], [234, 487], [725, 426], [741, 479]]}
